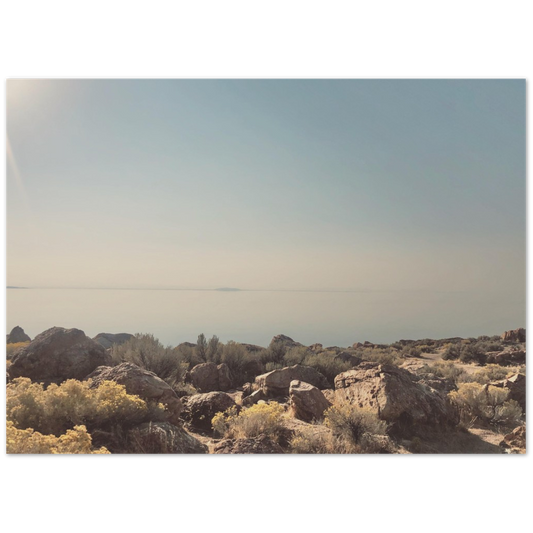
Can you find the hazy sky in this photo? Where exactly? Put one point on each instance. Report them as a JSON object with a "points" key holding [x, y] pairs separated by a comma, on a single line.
{"points": [[325, 184]]}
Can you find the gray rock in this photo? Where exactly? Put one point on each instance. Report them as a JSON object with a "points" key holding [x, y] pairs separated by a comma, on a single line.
{"points": [[307, 402], [17, 335], [276, 383], [56, 355], [142, 383], [109, 339], [201, 408], [163, 437]]}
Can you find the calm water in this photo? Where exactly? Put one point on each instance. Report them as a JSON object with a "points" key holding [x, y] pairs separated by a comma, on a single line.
{"points": [[331, 318]]}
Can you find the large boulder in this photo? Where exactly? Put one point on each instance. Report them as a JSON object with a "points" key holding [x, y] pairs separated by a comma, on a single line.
{"points": [[201, 408], [276, 384], [507, 357], [17, 335], [515, 442], [109, 339], [56, 355], [515, 335], [162, 437], [209, 377], [284, 341], [142, 383], [516, 385], [307, 402], [396, 396], [257, 445]]}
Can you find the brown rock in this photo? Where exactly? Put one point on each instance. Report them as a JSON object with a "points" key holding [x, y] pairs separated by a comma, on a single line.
{"points": [[142, 383], [253, 398], [516, 384], [58, 354], [224, 377], [162, 437], [257, 445], [17, 335], [507, 357], [307, 402], [201, 408], [515, 442], [515, 335], [276, 383], [110, 339], [397, 397], [204, 377]]}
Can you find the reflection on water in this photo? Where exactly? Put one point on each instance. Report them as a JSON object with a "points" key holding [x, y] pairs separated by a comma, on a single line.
{"points": [[331, 318]]}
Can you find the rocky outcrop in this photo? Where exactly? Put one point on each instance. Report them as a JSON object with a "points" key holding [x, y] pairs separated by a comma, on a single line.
{"points": [[257, 445], [276, 383], [306, 402], [507, 357], [515, 442], [515, 335], [253, 398], [142, 383], [162, 437], [209, 377], [285, 341], [201, 408], [58, 354], [396, 396], [17, 335], [252, 348], [109, 339], [516, 385]]}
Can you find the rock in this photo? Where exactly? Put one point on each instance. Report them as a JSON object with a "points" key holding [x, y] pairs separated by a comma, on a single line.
{"points": [[162, 437], [247, 389], [515, 335], [252, 348], [276, 383], [58, 354], [257, 445], [209, 377], [224, 377], [109, 339], [306, 402], [515, 442], [516, 384], [397, 397], [142, 383], [285, 341], [316, 348], [201, 408], [346, 357], [204, 377], [17, 335], [253, 398], [329, 394], [507, 357]]}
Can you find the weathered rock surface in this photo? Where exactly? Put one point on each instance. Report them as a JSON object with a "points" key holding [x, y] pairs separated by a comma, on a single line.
{"points": [[397, 397], [515, 335], [253, 398], [276, 383], [252, 348], [58, 354], [507, 357], [287, 342], [515, 442], [109, 339], [201, 408], [17, 335], [257, 445], [306, 401], [142, 383], [516, 384], [163, 437], [209, 377]]}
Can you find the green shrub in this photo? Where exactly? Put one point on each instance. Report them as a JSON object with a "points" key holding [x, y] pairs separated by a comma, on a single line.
{"points": [[259, 419], [73, 403], [148, 353], [452, 352], [75, 440], [486, 404], [239, 360], [444, 369]]}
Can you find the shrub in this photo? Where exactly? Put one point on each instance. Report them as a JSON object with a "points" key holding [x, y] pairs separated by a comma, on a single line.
{"points": [[75, 440], [444, 369], [486, 404], [327, 364], [148, 353], [489, 373], [260, 419], [453, 351], [238, 359], [311, 441], [472, 353], [73, 403], [383, 356], [355, 426]]}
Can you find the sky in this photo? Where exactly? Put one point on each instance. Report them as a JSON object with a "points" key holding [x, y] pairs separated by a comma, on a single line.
{"points": [[409, 185]]}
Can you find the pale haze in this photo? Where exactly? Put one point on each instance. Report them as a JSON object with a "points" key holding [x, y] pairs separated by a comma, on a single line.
{"points": [[410, 194]]}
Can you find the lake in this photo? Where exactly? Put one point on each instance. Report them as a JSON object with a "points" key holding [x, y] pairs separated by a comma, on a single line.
{"points": [[331, 318]]}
